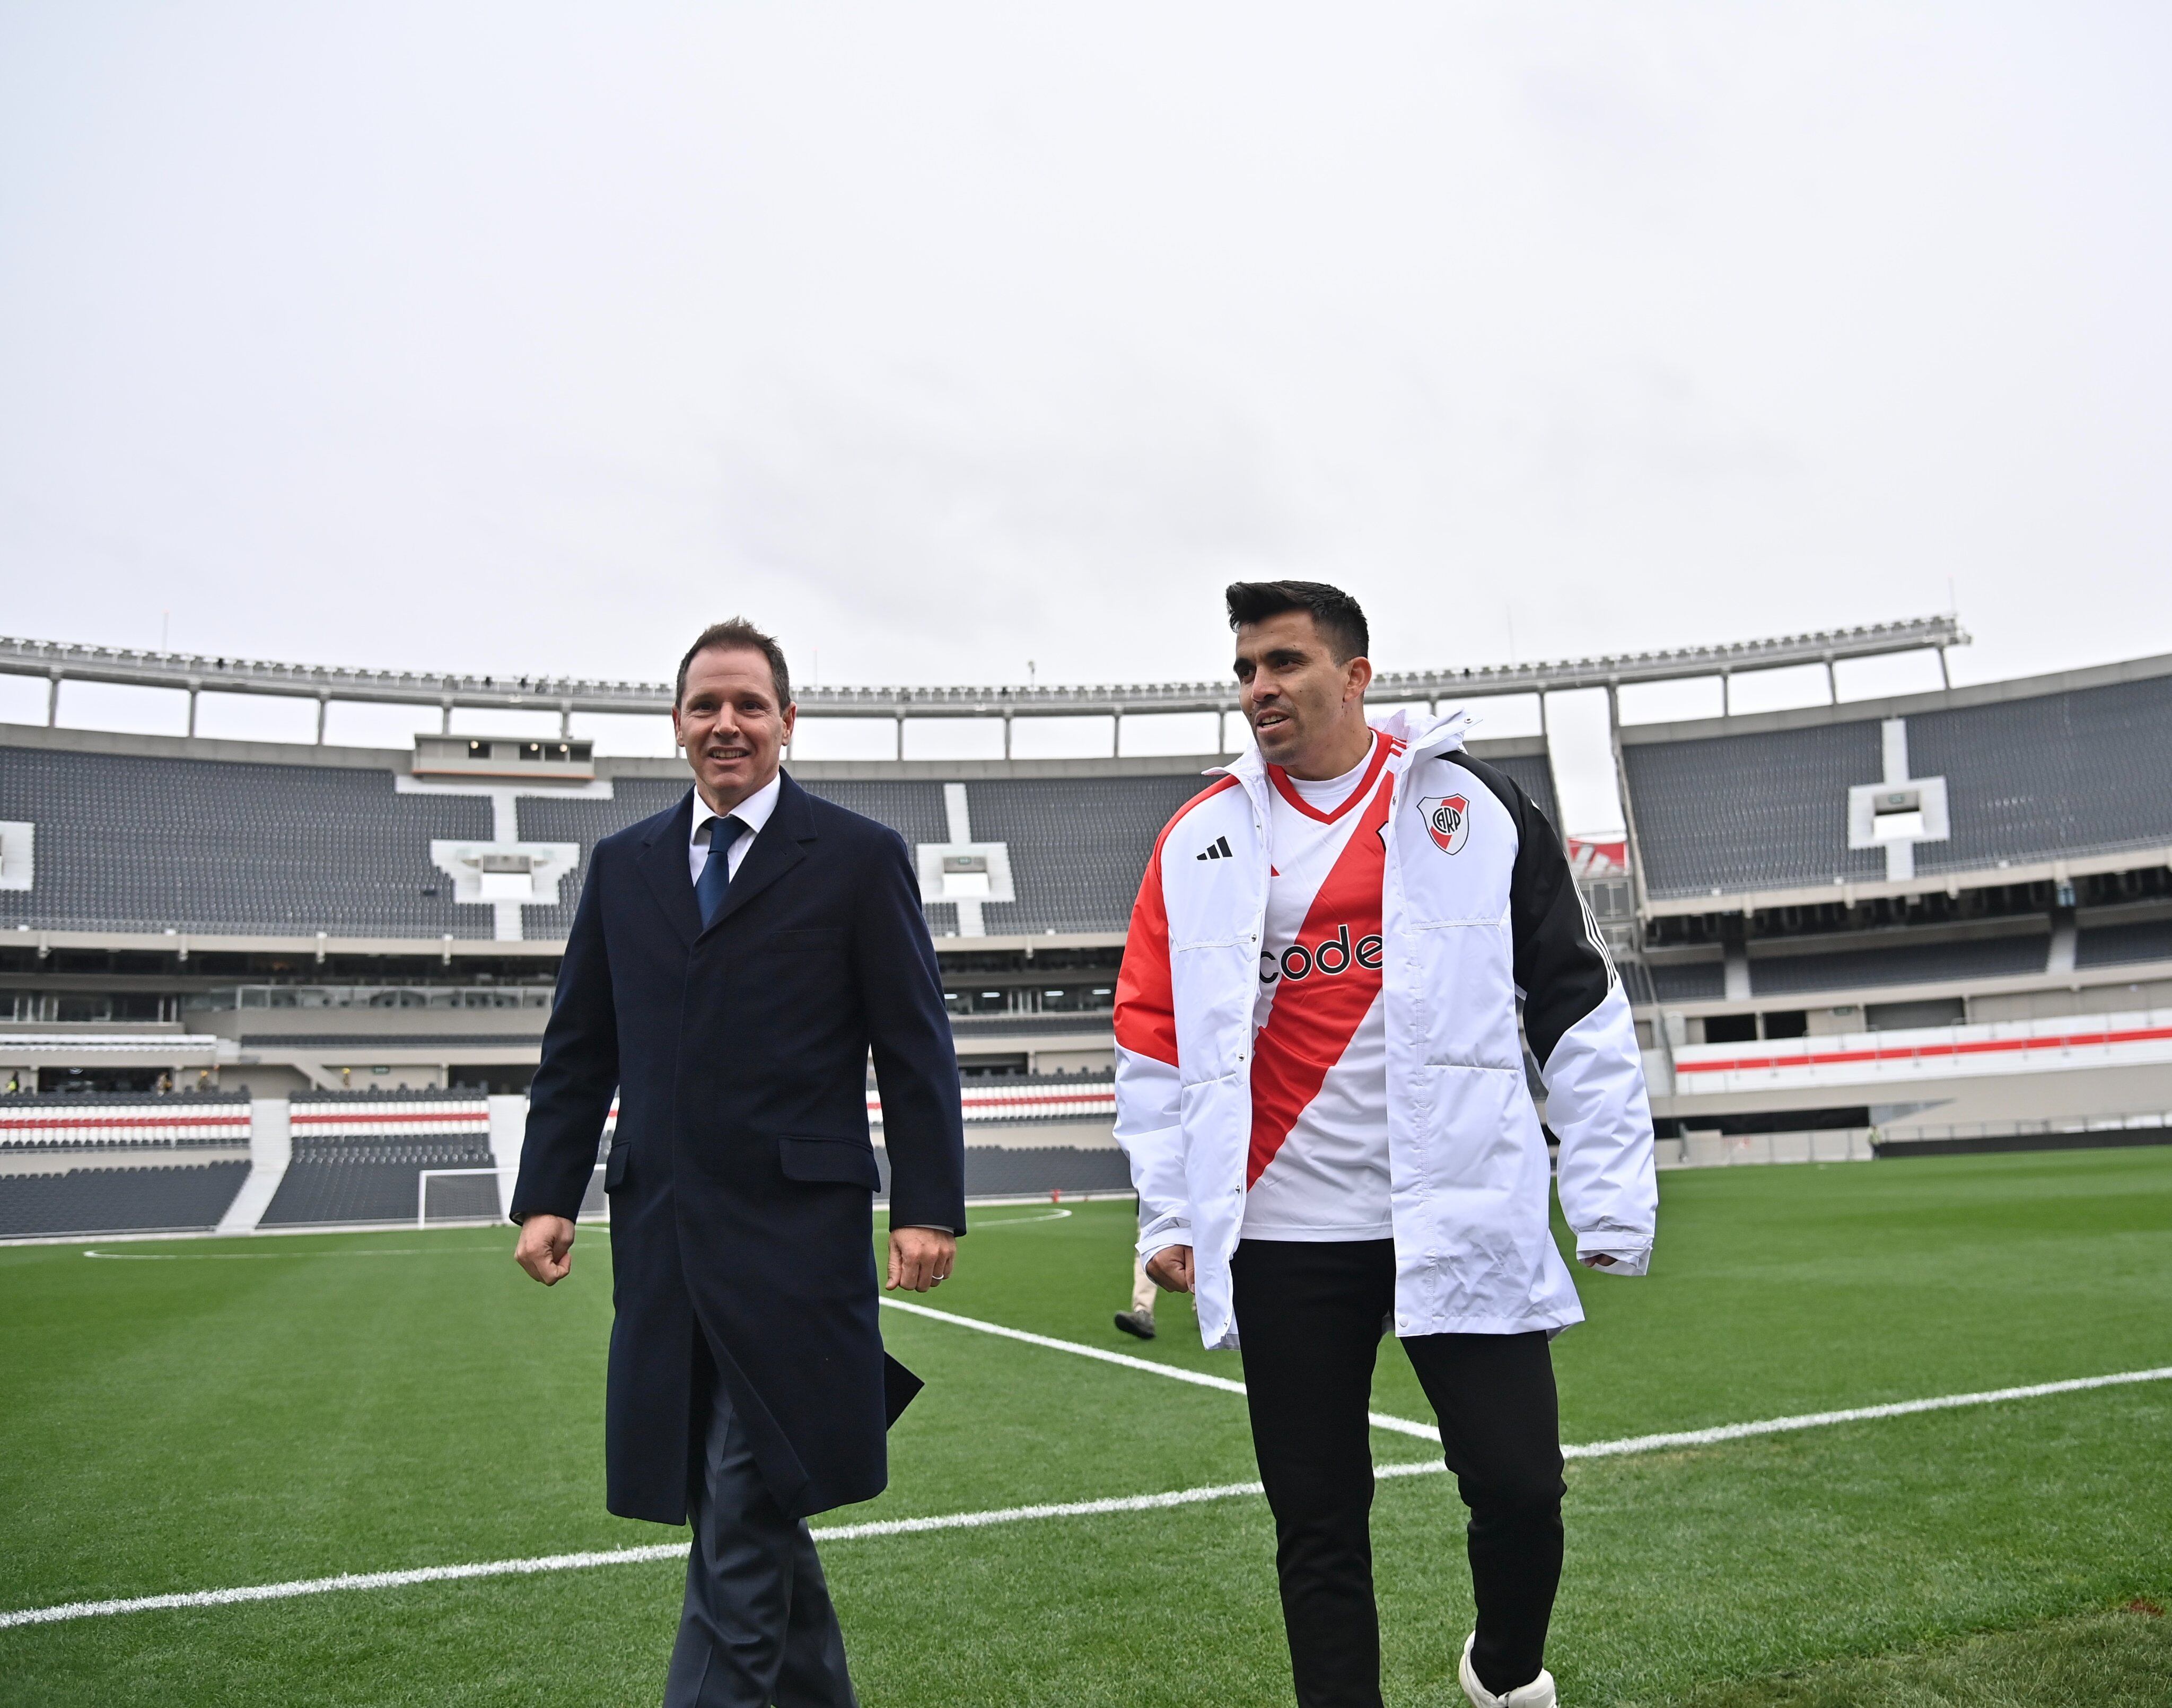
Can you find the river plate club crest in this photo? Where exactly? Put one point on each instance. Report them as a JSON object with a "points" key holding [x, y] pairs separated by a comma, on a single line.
{"points": [[1447, 821]]}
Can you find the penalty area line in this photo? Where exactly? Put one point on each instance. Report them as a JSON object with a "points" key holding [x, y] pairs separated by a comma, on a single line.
{"points": [[1014, 1515]]}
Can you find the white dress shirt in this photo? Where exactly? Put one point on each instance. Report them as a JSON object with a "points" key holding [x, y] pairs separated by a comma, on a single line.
{"points": [[753, 811]]}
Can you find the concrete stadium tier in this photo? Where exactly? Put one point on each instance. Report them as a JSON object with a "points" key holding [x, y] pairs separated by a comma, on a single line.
{"points": [[2120, 945], [169, 1198], [251, 840], [1898, 963], [305, 922], [2073, 771], [149, 843]]}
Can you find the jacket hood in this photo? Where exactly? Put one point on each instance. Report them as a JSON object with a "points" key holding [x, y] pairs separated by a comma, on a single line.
{"points": [[1419, 732], [1422, 732]]}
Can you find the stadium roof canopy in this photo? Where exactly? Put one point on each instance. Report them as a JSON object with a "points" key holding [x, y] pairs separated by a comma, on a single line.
{"points": [[194, 672]]}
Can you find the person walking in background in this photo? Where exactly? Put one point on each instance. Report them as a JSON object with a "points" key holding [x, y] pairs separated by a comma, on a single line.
{"points": [[733, 965], [1320, 1084], [1139, 1320]]}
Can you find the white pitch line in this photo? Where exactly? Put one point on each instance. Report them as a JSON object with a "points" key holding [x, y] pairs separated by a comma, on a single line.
{"points": [[284, 1256], [352, 1580], [1856, 1414], [1014, 1515], [1379, 1420]]}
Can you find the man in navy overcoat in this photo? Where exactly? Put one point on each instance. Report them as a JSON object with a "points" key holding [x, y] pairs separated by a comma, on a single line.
{"points": [[734, 964]]}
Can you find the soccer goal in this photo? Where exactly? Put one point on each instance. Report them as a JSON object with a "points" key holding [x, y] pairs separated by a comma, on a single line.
{"points": [[445, 1197]]}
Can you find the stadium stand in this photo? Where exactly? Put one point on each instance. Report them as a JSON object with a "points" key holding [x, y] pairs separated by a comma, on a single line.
{"points": [[585, 820], [2030, 777], [2083, 772], [1532, 772], [172, 1198], [356, 1157], [2002, 851], [391, 1040], [1730, 814], [331, 1182], [175, 1121], [2034, 886], [1027, 1099], [150, 844], [914, 810], [1897, 963], [984, 1026], [114, 1164], [993, 1171], [1681, 982], [276, 849], [2118, 945], [1078, 845]]}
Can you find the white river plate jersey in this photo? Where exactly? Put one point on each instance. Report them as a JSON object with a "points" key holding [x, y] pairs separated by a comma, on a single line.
{"points": [[1317, 1168]]}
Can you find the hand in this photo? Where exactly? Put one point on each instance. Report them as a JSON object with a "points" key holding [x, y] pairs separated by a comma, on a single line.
{"points": [[1171, 1268], [1597, 1259], [546, 1249], [920, 1257]]}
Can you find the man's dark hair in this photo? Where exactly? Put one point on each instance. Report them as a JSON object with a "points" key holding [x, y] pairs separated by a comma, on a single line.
{"points": [[1334, 613], [732, 635]]}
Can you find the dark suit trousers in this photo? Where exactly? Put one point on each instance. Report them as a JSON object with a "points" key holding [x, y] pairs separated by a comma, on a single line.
{"points": [[758, 1628], [1311, 1319]]}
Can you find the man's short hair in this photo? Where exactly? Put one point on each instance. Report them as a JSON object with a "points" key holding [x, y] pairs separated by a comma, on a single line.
{"points": [[1334, 613], [735, 634]]}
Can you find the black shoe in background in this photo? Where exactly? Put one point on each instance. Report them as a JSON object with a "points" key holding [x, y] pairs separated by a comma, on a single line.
{"points": [[1138, 1323]]}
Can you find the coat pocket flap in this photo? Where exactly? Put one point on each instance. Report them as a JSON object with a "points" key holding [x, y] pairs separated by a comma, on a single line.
{"points": [[845, 1162], [615, 1162]]}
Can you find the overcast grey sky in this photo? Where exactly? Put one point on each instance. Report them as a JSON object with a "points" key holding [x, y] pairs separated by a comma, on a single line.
{"points": [[941, 338]]}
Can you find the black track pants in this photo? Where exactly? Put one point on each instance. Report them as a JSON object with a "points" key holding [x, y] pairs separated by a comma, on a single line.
{"points": [[1310, 1318]]}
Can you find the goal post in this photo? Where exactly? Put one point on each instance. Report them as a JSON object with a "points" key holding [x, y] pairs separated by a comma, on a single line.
{"points": [[453, 1197]]}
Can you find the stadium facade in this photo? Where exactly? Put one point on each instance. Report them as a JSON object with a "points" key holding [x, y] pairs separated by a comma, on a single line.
{"points": [[248, 984]]}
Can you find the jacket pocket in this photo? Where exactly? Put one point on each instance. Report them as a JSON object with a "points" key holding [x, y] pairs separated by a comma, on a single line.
{"points": [[615, 1162], [840, 1162]]}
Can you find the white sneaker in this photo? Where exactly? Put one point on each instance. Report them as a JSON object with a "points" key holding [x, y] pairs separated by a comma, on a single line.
{"points": [[1538, 1693]]}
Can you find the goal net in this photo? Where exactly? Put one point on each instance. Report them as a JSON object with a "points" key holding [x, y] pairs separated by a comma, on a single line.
{"points": [[446, 1196]]}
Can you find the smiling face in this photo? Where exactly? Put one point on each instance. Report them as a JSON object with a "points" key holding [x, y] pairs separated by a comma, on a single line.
{"points": [[730, 725], [1306, 710]]}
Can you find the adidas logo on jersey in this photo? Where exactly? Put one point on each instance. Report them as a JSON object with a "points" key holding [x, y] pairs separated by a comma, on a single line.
{"points": [[1218, 849]]}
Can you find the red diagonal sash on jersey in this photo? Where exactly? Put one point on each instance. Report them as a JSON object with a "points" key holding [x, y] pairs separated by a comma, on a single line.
{"points": [[1312, 1023]]}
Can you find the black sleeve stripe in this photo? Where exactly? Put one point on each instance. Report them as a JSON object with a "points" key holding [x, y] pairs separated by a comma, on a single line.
{"points": [[1561, 964]]}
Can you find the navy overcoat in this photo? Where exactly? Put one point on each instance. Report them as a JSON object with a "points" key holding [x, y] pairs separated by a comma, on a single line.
{"points": [[741, 1176]]}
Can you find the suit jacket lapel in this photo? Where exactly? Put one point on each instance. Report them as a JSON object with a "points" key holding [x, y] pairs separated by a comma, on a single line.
{"points": [[776, 850], [664, 863]]}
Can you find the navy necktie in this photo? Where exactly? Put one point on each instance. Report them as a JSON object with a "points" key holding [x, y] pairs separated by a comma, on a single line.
{"points": [[716, 874]]}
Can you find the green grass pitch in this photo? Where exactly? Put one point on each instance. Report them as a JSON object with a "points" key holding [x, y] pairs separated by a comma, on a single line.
{"points": [[195, 1414]]}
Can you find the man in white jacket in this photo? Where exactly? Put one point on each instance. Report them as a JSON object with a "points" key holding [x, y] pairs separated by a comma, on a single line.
{"points": [[1320, 1084]]}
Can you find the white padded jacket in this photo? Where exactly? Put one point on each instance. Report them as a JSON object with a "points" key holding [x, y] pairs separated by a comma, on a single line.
{"points": [[1478, 907]]}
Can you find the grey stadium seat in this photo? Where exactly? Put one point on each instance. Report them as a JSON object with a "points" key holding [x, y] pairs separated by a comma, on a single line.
{"points": [[180, 1199], [2029, 778], [1899, 963], [142, 843]]}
